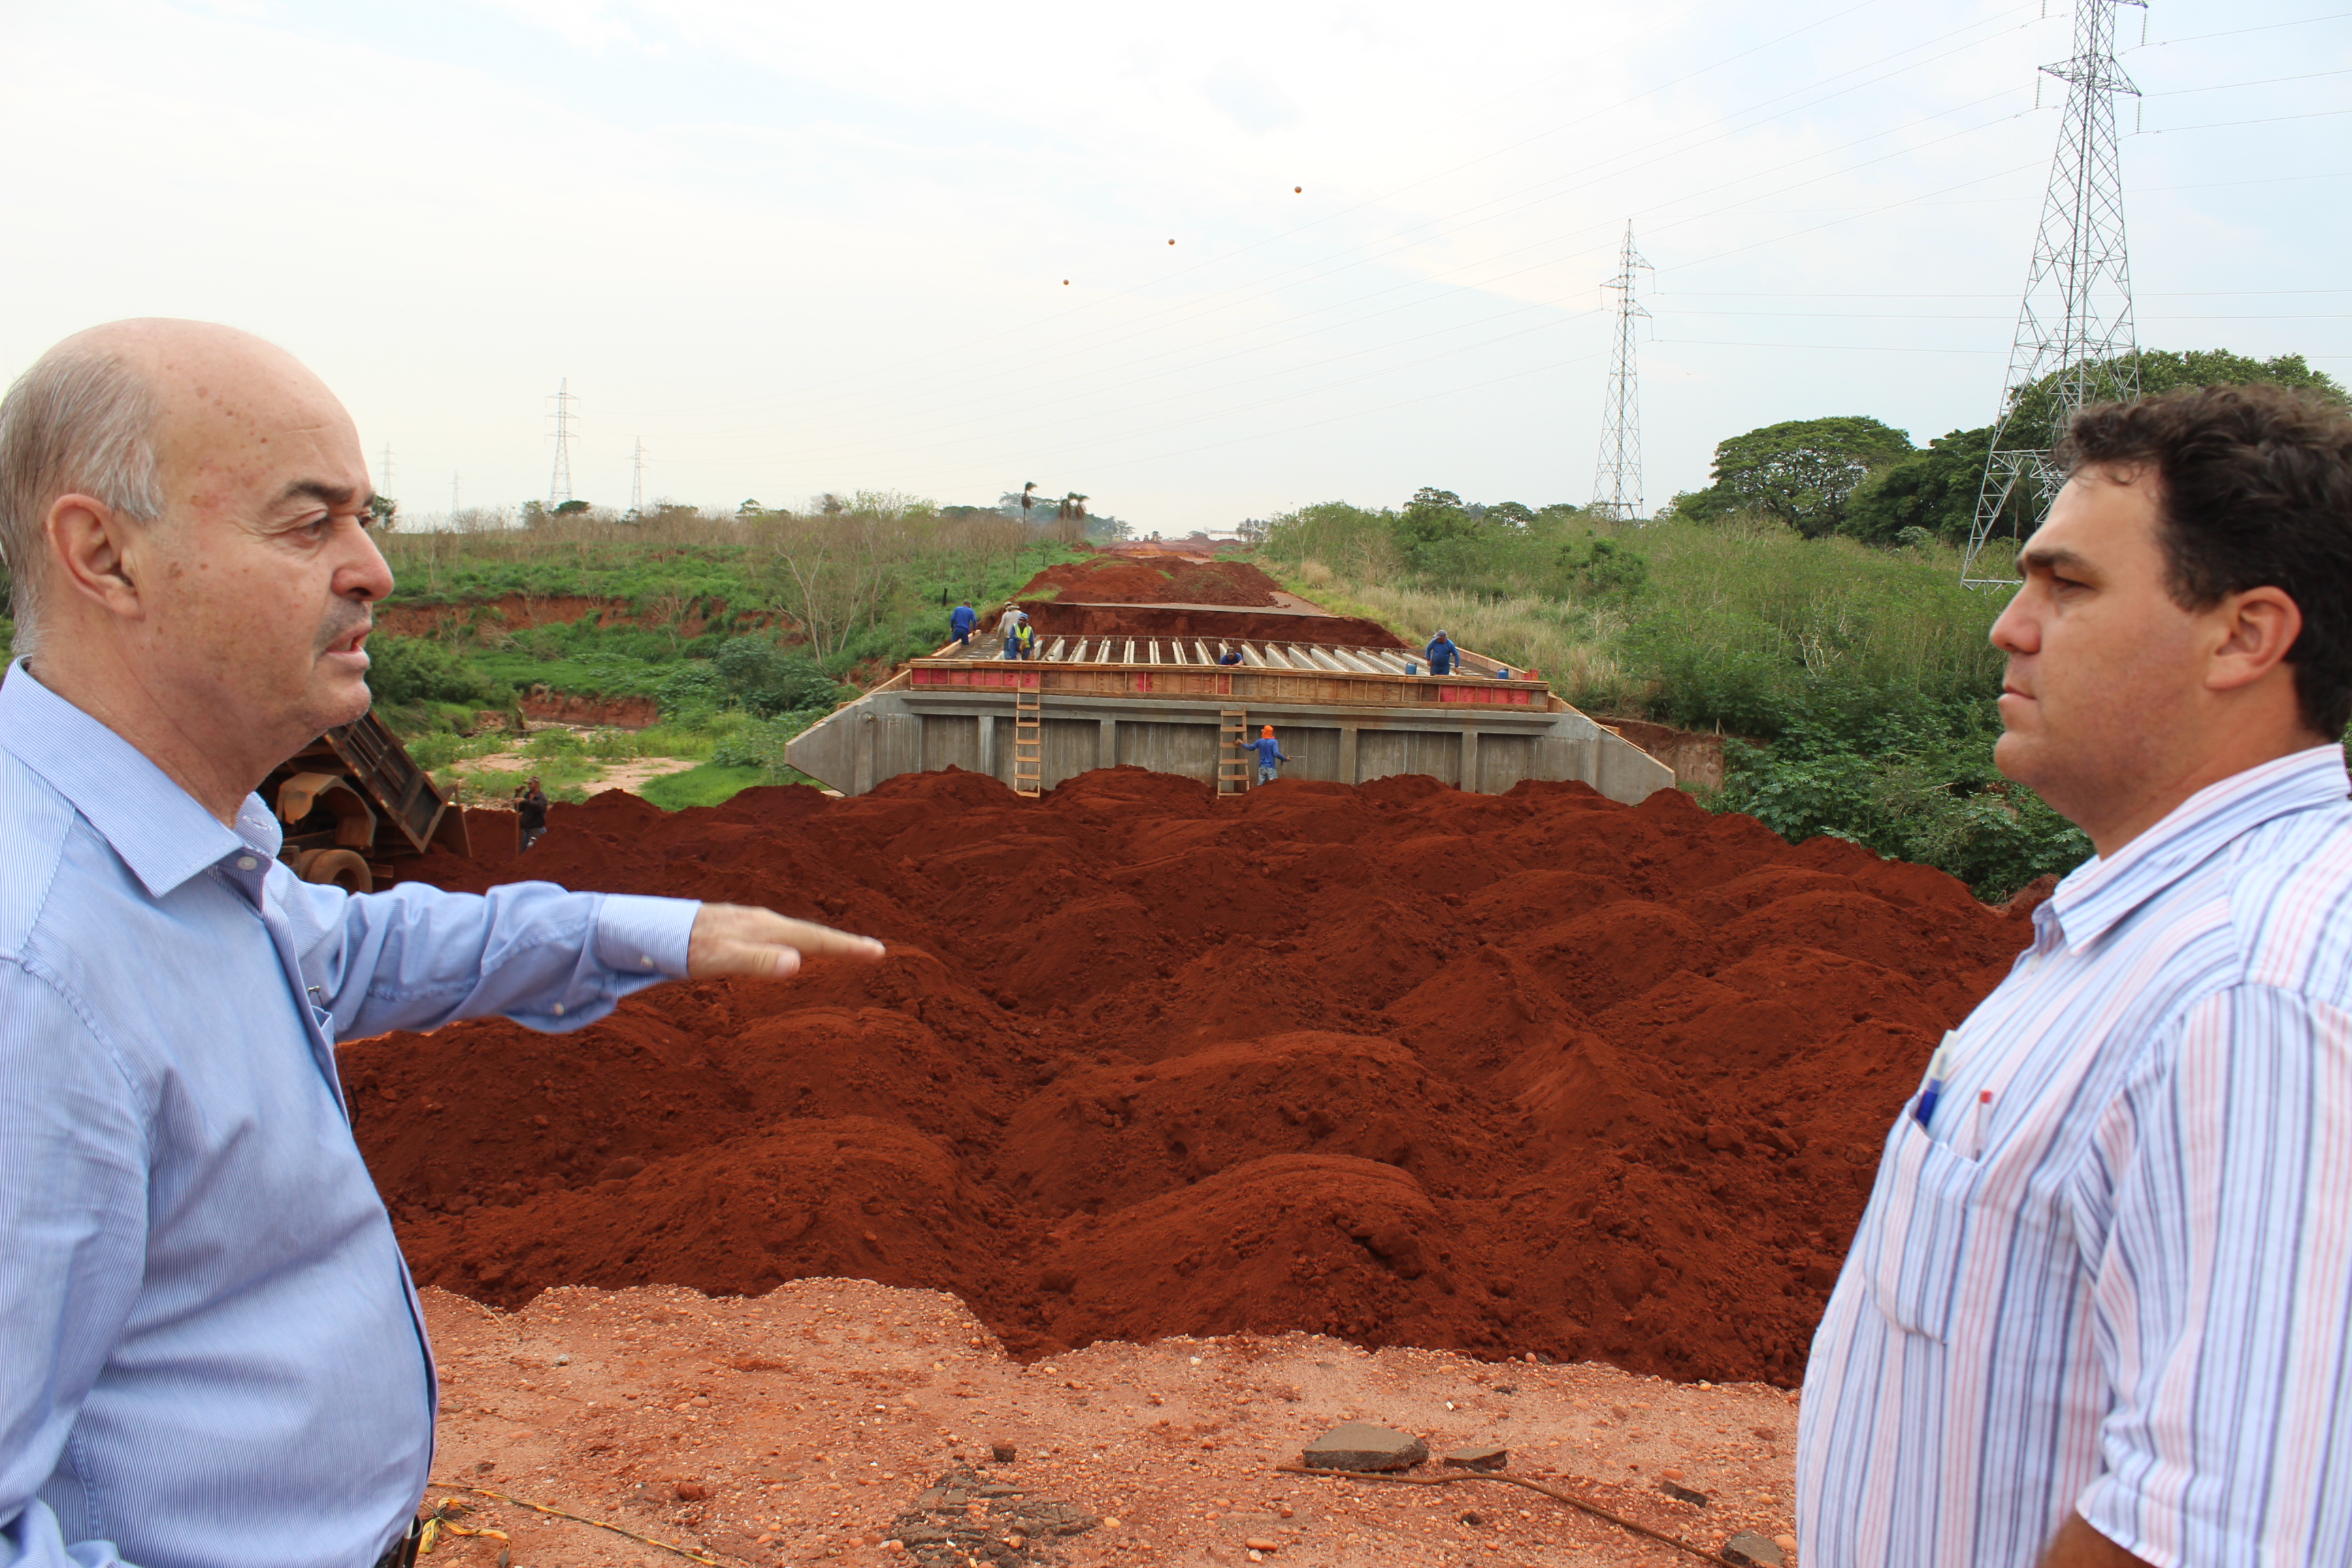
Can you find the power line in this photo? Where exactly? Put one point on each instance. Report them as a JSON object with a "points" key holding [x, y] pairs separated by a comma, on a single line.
{"points": [[559, 487], [2080, 273], [1617, 482]]}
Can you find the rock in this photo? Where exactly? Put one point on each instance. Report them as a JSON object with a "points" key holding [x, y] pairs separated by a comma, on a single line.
{"points": [[1002, 1453], [1683, 1494], [690, 1491], [1360, 1446], [1261, 1543], [1751, 1548], [1785, 1543], [1478, 1457]]}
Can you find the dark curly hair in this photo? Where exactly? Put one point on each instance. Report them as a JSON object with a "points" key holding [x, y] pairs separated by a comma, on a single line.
{"points": [[2254, 490]]}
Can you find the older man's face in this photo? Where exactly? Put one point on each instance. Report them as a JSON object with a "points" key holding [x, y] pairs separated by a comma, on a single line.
{"points": [[2101, 660], [266, 571]]}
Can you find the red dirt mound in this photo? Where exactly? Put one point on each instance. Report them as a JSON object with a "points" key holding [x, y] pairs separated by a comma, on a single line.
{"points": [[1527, 1072], [1154, 580]]}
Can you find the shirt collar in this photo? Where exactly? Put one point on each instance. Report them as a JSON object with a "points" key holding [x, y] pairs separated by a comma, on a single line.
{"points": [[157, 827], [2098, 893]]}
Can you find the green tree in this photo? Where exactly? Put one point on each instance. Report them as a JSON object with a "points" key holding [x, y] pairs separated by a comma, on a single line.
{"points": [[1936, 489], [2033, 426], [1803, 471], [1430, 516]]}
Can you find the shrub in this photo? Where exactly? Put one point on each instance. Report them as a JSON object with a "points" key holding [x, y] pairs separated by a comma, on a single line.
{"points": [[417, 669]]}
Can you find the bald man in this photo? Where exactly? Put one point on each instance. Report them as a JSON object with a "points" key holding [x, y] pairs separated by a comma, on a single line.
{"points": [[210, 1352]]}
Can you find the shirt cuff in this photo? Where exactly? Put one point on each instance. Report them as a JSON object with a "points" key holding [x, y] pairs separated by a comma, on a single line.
{"points": [[644, 936]]}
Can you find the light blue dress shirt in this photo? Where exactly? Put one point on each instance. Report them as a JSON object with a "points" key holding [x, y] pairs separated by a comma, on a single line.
{"points": [[210, 1352]]}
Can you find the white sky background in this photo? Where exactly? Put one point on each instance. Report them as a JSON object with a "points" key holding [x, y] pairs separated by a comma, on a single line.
{"points": [[798, 247]]}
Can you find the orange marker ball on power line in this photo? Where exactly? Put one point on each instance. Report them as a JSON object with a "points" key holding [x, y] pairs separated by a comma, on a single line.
{"points": [[1298, 190], [1171, 242]]}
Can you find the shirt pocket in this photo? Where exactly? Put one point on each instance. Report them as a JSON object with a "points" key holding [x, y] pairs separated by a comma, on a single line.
{"points": [[1918, 1229]]}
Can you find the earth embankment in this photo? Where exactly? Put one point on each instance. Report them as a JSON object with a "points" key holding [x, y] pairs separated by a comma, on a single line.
{"points": [[1535, 1072]]}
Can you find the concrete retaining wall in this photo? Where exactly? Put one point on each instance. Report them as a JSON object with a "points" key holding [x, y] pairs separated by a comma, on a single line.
{"points": [[900, 728]]}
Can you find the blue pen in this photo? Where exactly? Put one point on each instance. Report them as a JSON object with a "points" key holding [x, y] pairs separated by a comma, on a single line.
{"points": [[1940, 1067]]}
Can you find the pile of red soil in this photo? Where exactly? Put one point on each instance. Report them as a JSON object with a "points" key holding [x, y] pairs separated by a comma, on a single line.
{"points": [[1154, 580], [1501, 1074], [1214, 626]]}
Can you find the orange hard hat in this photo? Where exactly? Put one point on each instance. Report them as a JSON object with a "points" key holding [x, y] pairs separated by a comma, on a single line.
{"points": [[1267, 732]]}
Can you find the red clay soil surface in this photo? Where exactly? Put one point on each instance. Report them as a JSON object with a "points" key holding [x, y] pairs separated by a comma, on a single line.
{"points": [[817, 1422], [1154, 580], [1174, 596], [1535, 1072]]}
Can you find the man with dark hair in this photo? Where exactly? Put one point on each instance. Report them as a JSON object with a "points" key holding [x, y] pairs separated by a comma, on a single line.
{"points": [[2099, 1308], [531, 814]]}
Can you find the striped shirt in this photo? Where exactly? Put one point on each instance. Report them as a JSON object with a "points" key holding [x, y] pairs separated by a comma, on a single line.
{"points": [[2113, 1274]]}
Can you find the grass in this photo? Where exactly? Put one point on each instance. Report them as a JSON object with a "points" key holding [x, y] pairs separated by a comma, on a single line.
{"points": [[1861, 677], [1727, 626], [710, 784]]}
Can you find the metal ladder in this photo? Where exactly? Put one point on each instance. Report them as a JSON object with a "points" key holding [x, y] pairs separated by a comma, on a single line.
{"points": [[1233, 752], [1028, 740]]}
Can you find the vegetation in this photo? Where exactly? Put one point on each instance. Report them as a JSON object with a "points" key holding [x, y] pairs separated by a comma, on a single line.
{"points": [[762, 612], [1802, 473], [1857, 681], [711, 783], [1936, 491]]}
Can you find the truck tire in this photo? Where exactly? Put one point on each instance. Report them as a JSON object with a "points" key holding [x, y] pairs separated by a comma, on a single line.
{"points": [[336, 867]]}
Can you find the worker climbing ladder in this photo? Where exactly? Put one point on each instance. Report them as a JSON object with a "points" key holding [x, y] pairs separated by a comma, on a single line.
{"points": [[1028, 740], [1233, 752]]}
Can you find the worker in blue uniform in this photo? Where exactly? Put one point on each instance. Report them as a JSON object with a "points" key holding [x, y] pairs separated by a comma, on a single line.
{"points": [[1270, 755]]}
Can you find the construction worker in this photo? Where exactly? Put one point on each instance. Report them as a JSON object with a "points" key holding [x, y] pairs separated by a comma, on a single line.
{"points": [[531, 813], [1230, 655], [962, 622], [1269, 755], [1024, 636], [1443, 655], [1009, 629]]}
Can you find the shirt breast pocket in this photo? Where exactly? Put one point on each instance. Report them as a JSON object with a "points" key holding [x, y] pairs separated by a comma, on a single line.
{"points": [[1921, 1216]]}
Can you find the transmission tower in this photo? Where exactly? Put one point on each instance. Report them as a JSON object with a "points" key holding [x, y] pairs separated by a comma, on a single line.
{"points": [[638, 484], [559, 487], [2075, 328], [1617, 486], [383, 479]]}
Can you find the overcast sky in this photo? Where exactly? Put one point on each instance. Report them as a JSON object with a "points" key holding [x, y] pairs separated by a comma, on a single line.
{"points": [[796, 248]]}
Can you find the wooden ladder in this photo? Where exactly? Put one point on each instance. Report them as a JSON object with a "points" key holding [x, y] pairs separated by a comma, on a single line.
{"points": [[1028, 741], [1233, 752]]}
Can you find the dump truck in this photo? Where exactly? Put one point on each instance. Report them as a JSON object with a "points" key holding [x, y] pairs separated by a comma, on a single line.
{"points": [[354, 803]]}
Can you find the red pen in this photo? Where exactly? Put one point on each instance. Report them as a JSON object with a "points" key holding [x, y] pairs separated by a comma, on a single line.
{"points": [[1984, 1104]]}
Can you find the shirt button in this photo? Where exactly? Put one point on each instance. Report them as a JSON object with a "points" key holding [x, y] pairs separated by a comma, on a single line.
{"points": [[246, 862], [559, 1009], [646, 958]]}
